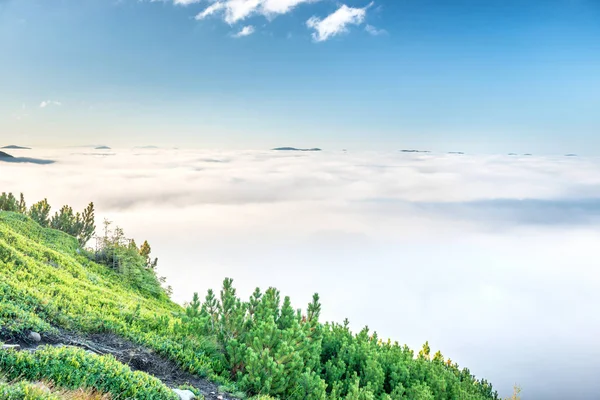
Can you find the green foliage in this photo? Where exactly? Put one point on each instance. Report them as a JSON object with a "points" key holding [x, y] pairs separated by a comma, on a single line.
{"points": [[40, 213], [24, 391], [270, 349], [8, 202], [80, 226], [117, 252], [73, 368]]}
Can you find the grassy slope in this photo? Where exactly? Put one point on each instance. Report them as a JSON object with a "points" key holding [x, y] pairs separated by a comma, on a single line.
{"points": [[44, 282]]}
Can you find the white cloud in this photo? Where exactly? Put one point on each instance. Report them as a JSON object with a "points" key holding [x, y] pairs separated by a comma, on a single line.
{"points": [[47, 103], [210, 10], [238, 10], [371, 30], [245, 31], [337, 22], [234, 11]]}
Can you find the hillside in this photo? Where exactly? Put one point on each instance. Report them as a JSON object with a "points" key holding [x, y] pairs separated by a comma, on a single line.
{"points": [[109, 316]]}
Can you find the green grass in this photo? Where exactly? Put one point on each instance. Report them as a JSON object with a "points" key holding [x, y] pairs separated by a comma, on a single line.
{"points": [[73, 368]]}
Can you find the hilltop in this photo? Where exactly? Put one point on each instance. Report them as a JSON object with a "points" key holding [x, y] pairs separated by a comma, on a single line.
{"points": [[15, 147], [5, 155], [114, 319]]}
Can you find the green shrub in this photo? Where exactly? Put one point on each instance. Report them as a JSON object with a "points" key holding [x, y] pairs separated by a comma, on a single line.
{"points": [[24, 391], [73, 368], [270, 349]]}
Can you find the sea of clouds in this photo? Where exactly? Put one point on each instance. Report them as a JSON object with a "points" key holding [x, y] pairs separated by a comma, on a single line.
{"points": [[493, 259]]}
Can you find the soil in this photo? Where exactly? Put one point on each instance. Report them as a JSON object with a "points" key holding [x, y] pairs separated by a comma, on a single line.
{"points": [[137, 357]]}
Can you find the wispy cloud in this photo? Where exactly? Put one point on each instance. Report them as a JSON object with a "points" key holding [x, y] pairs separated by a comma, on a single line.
{"points": [[210, 10], [337, 22], [47, 103], [238, 10], [245, 31], [371, 30]]}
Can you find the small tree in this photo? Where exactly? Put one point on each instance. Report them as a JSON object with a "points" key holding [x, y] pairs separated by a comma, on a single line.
{"points": [[40, 213], [22, 204], [516, 393], [145, 251], [8, 202], [87, 226]]}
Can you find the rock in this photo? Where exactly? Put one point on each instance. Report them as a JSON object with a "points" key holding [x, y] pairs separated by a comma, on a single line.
{"points": [[184, 394], [34, 337], [11, 347], [219, 397]]}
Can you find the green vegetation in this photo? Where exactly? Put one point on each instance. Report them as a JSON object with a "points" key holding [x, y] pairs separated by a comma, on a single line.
{"points": [[24, 391], [262, 346], [79, 225], [270, 348], [73, 368]]}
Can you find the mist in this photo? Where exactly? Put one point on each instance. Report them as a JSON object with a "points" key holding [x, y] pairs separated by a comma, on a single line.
{"points": [[491, 258]]}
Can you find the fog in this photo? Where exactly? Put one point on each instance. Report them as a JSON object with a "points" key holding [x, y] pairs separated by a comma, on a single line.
{"points": [[493, 259]]}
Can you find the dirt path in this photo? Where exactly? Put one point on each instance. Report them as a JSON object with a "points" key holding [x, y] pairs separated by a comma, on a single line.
{"points": [[137, 357]]}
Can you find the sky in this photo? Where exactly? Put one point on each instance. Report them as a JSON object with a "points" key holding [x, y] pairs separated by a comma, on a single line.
{"points": [[491, 258], [485, 76]]}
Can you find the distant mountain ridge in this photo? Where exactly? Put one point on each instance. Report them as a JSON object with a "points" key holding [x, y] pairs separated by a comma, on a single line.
{"points": [[15, 147], [295, 149], [5, 157]]}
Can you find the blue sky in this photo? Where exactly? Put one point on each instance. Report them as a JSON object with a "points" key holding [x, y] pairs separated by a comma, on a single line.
{"points": [[447, 75]]}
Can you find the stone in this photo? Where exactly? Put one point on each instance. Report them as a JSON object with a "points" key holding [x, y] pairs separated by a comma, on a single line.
{"points": [[184, 394], [11, 347], [219, 397], [34, 337]]}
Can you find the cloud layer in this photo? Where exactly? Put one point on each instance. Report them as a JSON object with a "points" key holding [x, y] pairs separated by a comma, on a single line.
{"points": [[490, 258]]}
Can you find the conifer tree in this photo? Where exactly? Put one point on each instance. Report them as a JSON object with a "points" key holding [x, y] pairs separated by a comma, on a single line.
{"points": [[193, 309], [8, 202], [40, 213], [87, 225], [22, 204]]}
